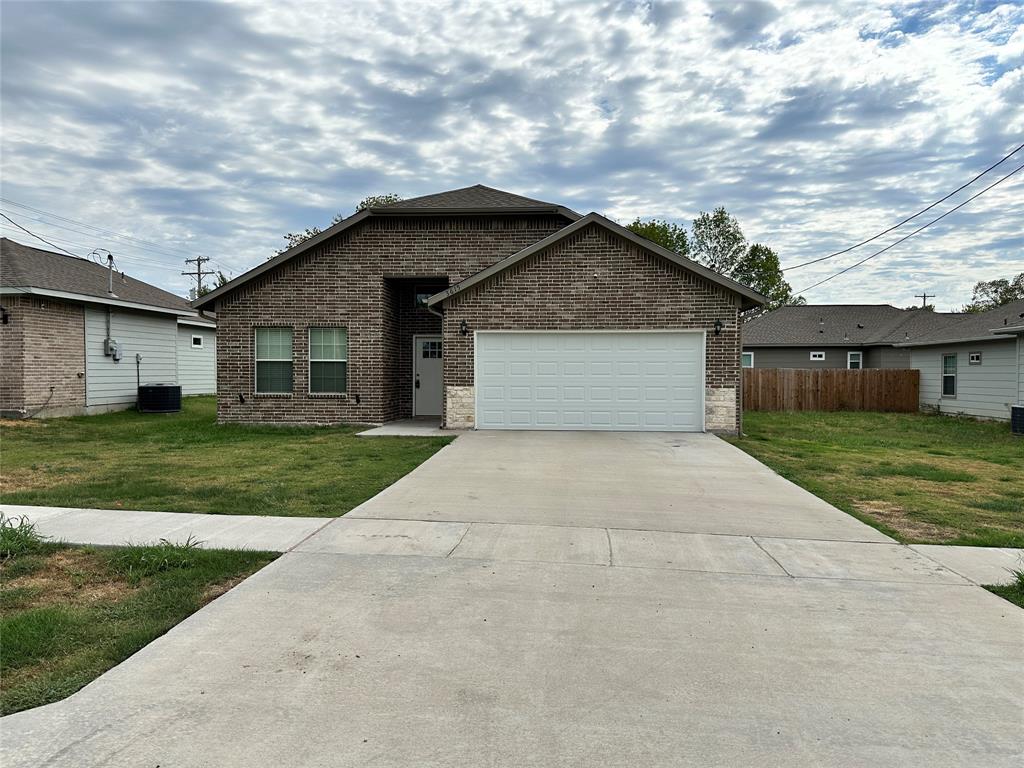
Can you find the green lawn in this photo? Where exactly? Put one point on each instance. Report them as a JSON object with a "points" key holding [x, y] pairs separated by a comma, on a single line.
{"points": [[916, 477], [68, 614], [186, 462]]}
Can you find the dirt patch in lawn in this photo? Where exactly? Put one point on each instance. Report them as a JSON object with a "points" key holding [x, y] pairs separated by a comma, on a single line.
{"points": [[21, 423], [895, 517], [70, 577]]}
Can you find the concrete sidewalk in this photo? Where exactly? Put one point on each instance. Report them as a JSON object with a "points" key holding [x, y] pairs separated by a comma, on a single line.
{"points": [[113, 527], [571, 599]]}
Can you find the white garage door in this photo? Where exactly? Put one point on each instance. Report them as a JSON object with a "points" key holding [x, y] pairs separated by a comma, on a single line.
{"points": [[629, 381]]}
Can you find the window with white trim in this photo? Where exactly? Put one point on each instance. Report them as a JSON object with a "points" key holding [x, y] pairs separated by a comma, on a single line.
{"points": [[273, 361], [817, 355], [949, 375], [974, 358], [197, 342], [328, 361], [747, 360], [854, 360]]}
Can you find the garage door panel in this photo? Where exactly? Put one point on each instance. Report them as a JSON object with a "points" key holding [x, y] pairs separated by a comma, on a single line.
{"points": [[604, 381]]}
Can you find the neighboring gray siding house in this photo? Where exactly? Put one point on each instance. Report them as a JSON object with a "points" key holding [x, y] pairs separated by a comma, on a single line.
{"points": [[197, 356], [974, 366], [836, 336], [58, 314]]}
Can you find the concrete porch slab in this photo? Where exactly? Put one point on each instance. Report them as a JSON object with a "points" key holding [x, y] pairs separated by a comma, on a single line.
{"points": [[427, 426], [856, 560], [982, 565]]}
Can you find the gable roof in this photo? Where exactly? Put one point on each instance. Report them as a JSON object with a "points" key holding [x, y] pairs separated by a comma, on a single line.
{"points": [[839, 325], [753, 298], [473, 200], [24, 269], [975, 326]]}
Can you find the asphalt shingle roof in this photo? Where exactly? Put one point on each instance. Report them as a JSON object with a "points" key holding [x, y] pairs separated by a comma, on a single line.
{"points": [[857, 325], [838, 324], [468, 198], [22, 266], [975, 325]]}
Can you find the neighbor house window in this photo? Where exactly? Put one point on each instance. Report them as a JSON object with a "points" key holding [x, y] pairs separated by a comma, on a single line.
{"points": [[949, 375], [328, 360], [974, 358], [817, 355], [747, 360], [273, 360], [853, 360], [197, 342]]}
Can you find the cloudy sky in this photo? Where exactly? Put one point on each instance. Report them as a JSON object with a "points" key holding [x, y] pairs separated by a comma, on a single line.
{"points": [[212, 129]]}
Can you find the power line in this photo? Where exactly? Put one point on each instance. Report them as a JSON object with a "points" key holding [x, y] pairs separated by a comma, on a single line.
{"points": [[148, 244], [37, 237], [143, 244], [907, 237], [199, 273], [909, 218], [129, 258]]}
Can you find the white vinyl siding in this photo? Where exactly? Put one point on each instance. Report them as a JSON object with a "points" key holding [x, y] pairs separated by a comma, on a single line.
{"points": [[197, 365], [623, 381], [150, 335], [1020, 368], [985, 391]]}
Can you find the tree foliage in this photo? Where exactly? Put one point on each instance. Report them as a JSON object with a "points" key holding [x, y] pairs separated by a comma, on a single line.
{"points": [[717, 241], [378, 201], [219, 279], [373, 201], [664, 233], [989, 294]]}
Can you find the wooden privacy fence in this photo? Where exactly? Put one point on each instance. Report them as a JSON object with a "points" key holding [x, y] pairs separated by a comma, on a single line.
{"points": [[830, 389]]}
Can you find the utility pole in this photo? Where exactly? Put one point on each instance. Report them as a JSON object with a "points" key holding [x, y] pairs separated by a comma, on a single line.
{"points": [[924, 296], [199, 273]]}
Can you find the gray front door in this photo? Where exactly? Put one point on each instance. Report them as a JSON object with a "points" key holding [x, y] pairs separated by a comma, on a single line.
{"points": [[426, 363]]}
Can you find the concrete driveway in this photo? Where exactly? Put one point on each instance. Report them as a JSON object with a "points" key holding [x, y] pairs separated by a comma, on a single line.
{"points": [[569, 599]]}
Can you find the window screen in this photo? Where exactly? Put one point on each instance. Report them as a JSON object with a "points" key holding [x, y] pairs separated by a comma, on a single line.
{"points": [[273, 360], [328, 360]]}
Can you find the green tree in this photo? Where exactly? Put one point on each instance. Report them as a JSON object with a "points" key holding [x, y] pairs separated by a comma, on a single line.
{"points": [[219, 279], [989, 294], [373, 201], [759, 268], [717, 241], [664, 233], [378, 201]]}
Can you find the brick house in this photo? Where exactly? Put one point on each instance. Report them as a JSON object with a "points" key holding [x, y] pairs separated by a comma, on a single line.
{"points": [[57, 313], [484, 309]]}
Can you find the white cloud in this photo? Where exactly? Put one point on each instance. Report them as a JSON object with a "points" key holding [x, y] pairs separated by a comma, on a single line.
{"points": [[217, 128]]}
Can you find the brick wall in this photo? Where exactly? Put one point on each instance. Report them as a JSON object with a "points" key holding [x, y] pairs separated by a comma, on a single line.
{"points": [[351, 281], [597, 280], [43, 347]]}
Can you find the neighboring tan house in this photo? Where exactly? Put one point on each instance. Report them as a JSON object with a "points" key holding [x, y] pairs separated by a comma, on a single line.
{"points": [[973, 366], [485, 309], [837, 336], [68, 345]]}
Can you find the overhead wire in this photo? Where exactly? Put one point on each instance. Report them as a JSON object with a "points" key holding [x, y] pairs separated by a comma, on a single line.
{"points": [[919, 229]]}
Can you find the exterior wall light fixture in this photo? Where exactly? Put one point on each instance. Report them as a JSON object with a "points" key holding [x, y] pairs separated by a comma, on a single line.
{"points": [[463, 328], [719, 325]]}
